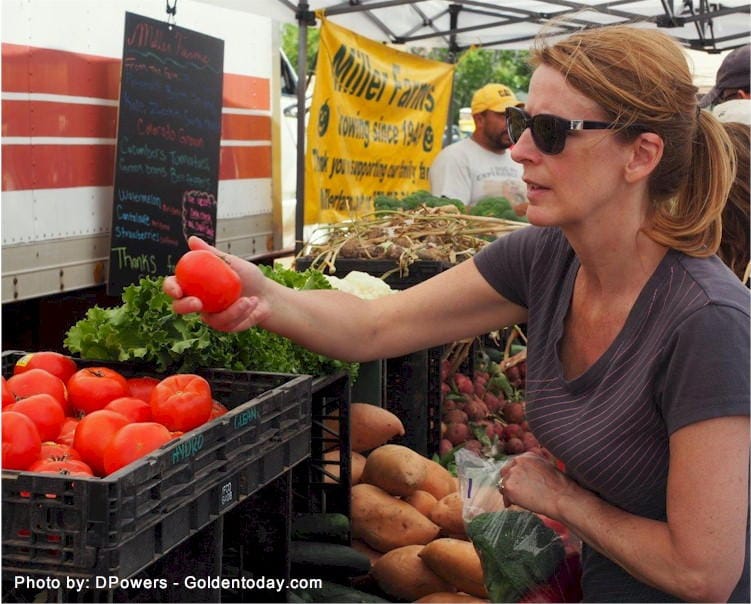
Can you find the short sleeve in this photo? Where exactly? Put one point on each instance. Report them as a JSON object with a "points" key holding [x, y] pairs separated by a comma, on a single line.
{"points": [[707, 372], [506, 264]]}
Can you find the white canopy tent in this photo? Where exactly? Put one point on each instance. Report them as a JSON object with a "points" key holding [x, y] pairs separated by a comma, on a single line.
{"points": [[704, 27]]}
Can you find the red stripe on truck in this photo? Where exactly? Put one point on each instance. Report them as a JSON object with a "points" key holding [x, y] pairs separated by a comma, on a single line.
{"points": [[57, 166], [47, 71], [46, 118]]}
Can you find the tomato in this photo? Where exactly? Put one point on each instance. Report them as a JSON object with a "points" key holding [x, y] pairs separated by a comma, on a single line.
{"points": [[67, 431], [141, 387], [44, 411], [217, 409], [94, 433], [66, 467], [55, 363], [52, 451], [133, 408], [92, 388], [8, 397], [181, 402], [38, 381], [21, 442], [133, 442], [210, 278]]}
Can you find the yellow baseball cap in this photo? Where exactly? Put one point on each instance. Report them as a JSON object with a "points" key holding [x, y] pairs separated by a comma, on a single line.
{"points": [[494, 97]]}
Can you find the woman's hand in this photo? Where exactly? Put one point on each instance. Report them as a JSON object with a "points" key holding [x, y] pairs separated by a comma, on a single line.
{"points": [[248, 310], [534, 483]]}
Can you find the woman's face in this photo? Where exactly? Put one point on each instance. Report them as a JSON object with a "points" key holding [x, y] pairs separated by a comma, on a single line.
{"points": [[584, 180]]}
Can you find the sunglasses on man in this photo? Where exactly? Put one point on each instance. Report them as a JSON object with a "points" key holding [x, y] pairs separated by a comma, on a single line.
{"points": [[549, 132]]}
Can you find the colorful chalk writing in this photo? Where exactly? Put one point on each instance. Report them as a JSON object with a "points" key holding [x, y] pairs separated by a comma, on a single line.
{"points": [[167, 160]]}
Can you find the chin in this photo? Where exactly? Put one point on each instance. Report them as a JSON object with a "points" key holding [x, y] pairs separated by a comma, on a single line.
{"points": [[539, 217]]}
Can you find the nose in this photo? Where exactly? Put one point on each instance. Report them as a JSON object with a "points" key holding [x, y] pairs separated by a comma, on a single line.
{"points": [[525, 148]]}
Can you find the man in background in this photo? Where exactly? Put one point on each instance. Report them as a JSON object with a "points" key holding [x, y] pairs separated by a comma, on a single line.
{"points": [[481, 166], [732, 82]]}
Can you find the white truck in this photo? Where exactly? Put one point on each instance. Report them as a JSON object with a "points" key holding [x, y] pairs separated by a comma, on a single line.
{"points": [[61, 69]]}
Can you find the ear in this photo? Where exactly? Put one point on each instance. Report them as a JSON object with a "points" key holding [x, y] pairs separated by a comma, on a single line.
{"points": [[646, 153]]}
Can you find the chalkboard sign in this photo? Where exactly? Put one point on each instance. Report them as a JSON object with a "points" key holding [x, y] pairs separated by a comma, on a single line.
{"points": [[168, 137]]}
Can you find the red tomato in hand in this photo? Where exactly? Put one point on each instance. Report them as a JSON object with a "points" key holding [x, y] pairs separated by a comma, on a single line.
{"points": [[39, 381], [53, 451], [55, 363], [21, 442], [8, 398], [94, 433], [44, 411], [133, 442], [91, 388], [181, 402], [141, 387], [67, 431], [210, 278], [135, 409], [64, 467]]}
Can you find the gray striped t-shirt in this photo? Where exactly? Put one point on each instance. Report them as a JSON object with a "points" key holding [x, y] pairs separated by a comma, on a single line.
{"points": [[681, 357]]}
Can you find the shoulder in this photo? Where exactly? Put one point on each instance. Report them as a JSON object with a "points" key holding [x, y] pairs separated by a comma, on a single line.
{"points": [[713, 283]]}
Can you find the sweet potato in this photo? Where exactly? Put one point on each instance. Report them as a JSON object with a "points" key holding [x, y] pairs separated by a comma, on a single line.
{"points": [[423, 501], [364, 548], [457, 562], [447, 513], [449, 597], [357, 463], [372, 426], [403, 574], [439, 482], [396, 469], [385, 522]]}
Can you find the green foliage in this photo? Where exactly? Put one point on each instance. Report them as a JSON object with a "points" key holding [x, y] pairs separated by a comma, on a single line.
{"points": [[495, 207], [413, 201], [289, 43], [517, 551], [145, 330]]}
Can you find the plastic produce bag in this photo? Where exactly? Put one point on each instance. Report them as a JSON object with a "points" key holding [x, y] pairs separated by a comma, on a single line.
{"points": [[519, 553]]}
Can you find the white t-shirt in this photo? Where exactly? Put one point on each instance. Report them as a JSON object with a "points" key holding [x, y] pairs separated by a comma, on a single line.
{"points": [[467, 171]]}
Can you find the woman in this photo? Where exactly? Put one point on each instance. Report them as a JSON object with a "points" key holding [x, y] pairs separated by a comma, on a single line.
{"points": [[638, 335], [734, 248]]}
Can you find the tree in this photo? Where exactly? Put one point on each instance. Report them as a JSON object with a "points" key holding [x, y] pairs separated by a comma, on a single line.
{"points": [[475, 67]]}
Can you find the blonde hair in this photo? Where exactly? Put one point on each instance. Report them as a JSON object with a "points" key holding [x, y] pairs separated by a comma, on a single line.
{"points": [[734, 248], [640, 78]]}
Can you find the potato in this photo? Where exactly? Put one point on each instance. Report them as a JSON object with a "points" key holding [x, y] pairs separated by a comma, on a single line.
{"points": [[357, 463], [385, 522], [372, 426], [364, 548], [403, 574], [396, 469], [439, 482], [457, 562], [447, 513], [422, 501]]}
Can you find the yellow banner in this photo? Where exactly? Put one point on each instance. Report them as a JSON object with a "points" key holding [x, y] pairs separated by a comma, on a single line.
{"points": [[376, 123]]}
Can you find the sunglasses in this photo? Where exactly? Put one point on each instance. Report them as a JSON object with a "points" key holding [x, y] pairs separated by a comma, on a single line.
{"points": [[549, 132]]}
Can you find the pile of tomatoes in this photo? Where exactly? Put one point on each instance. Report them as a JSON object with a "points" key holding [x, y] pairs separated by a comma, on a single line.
{"points": [[61, 419]]}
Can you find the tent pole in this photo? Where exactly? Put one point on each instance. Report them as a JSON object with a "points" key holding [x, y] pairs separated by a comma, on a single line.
{"points": [[304, 18]]}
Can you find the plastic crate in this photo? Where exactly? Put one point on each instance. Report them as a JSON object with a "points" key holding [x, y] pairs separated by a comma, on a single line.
{"points": [[396, 278], [322, 484], [119, 524]]}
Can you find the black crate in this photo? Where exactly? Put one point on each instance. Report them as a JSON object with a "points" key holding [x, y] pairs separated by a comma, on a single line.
{"points": [[322, 484], [119, 524], [389, 270]]}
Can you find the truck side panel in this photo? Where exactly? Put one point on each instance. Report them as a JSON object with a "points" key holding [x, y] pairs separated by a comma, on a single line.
{"points": [[60, 91]]}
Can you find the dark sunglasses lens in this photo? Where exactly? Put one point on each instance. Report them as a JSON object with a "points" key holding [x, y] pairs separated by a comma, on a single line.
{"points": [[515, 124], [548, 133]]}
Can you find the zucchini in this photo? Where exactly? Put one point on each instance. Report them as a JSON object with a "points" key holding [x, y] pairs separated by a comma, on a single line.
{"points": [[330, 560], [335, 592], [329, 527]]}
